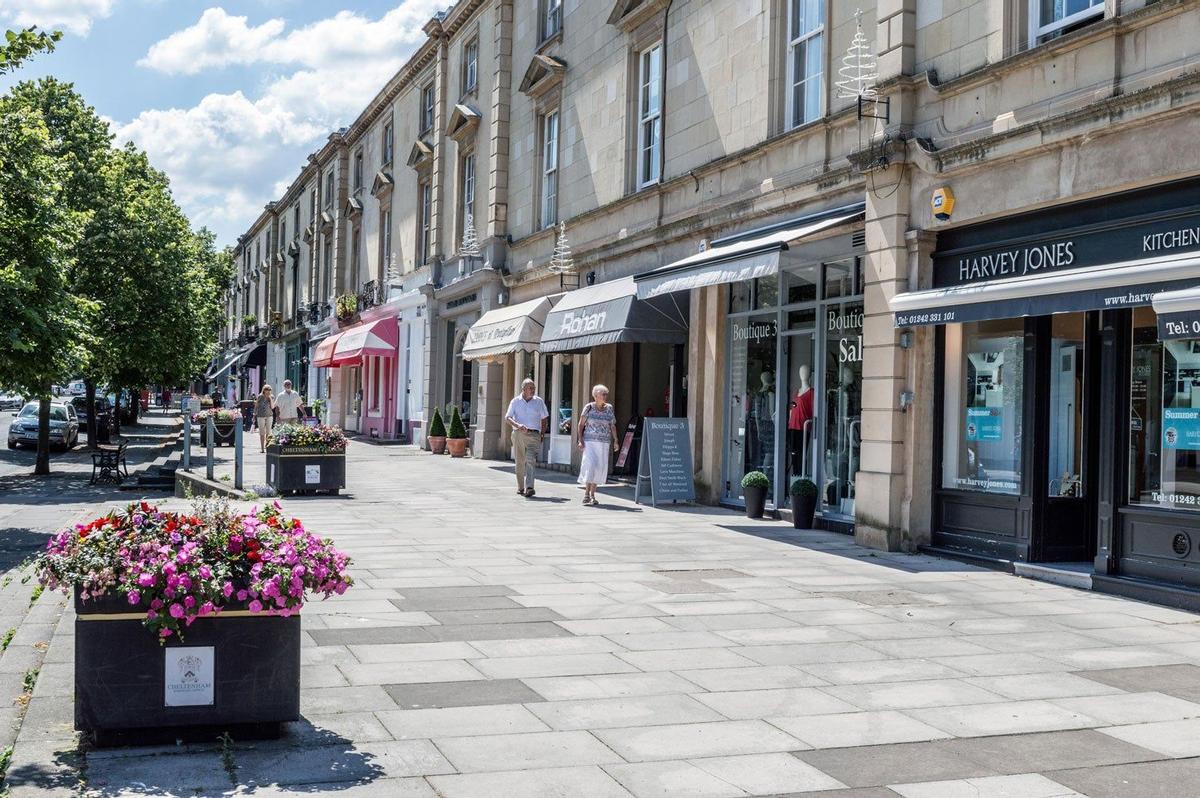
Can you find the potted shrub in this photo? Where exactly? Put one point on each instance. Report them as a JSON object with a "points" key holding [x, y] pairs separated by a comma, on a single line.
{"points": [[223, 423], [754, 490], [804, 502], [188, 621], [437, 433], [456, 440], [306, 458]]}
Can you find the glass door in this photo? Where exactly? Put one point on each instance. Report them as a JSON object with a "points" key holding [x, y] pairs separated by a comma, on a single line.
{"points": [[842, 411], [753, 401], [802, 425]]}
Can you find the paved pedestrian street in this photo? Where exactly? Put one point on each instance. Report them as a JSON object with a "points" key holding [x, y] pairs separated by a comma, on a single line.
{"points": [[498, 646]]}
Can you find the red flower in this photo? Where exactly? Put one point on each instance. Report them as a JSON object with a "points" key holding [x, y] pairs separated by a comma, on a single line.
{"points": [[145, 507], [253, 556]]}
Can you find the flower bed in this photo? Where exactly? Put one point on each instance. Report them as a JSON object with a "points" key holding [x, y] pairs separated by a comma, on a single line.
{"points": [[306, 459], [187, 620], [321, 438]]}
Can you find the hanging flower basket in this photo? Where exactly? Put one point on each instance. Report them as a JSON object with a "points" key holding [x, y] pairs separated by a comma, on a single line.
{"points": [[187, 622]]}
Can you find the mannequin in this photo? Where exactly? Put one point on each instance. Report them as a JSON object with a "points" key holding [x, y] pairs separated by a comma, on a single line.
{"points": [[802, 411], [764, 416]]}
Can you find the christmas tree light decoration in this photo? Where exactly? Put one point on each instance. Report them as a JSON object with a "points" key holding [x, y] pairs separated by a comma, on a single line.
{"points": [[858, 69], [470, 242], [560, 262]]}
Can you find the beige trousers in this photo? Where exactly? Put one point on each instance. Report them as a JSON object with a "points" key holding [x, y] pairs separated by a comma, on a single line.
{"points": [[525, 452]]}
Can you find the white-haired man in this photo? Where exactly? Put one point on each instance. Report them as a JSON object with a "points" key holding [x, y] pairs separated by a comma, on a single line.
{"points": [[526, 415]]}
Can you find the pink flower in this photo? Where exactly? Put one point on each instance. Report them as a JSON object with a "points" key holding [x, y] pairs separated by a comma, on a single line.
{"points": [[241, 595], [256, 606], [134, 597], [227, 589], [176, 611], [146, 580]]}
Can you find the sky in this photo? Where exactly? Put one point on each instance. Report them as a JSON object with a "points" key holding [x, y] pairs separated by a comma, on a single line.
{"points": [[229, 97]]}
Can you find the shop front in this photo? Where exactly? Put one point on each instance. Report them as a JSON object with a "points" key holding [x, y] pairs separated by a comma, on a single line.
{"points": [[1067, 392], [367, 355], [792, 372], [605, 334]]}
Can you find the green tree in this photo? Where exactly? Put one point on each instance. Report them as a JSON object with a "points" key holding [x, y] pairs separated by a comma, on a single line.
{"points": [[47, 336], [20, 45]]}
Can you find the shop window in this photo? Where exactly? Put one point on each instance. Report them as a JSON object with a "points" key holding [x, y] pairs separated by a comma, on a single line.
{"points": [[566, 388], [843, 405], [984, 389], [752, 400], [766, 292], [801, 283], [839, 278], [1065, 468], [1164, 418], [802, 407], [803, 319]]}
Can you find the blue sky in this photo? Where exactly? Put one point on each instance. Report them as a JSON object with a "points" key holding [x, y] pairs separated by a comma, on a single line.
{"points": [[228, 97]]}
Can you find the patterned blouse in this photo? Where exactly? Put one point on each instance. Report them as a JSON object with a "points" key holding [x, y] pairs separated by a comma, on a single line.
{"points": [[597, 423]]}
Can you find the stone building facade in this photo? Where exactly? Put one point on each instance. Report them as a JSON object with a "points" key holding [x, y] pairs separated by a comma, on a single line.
{"points": [[744, 237]]}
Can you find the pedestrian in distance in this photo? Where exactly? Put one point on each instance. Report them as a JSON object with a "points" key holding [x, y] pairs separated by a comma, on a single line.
{"points": [[526, 415], [288, 403], [597, 440], [264, 416]]}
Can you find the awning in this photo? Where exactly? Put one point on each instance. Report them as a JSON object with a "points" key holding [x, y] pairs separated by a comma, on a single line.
{"points": [[323, 357], [253, 355], [506, 330], [369, 339], [215, 374], [739, 260], [611, 313], [1178, 313], [1115, 285]]}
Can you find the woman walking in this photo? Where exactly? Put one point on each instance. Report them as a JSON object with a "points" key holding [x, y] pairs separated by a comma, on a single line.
{"points": [[597, 439], [264, 416]]}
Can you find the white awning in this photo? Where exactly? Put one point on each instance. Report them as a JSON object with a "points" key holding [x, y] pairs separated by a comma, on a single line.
{"points": [[734, 262], [517, 328], [1178, 313], [217, 373], [1114, 285]]}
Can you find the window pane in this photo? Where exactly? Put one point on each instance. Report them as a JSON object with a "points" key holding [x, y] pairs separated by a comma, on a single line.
{"points": [[753, 403], [766, 292], [1164, 423], [1066, 404], [843, 405], [813, 62], [801, 283], [983, 403], [839, 279]]}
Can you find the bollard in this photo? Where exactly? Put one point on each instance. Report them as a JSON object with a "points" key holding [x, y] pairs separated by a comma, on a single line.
{"points": [[212, 437], [187, 441], [237, 456]]}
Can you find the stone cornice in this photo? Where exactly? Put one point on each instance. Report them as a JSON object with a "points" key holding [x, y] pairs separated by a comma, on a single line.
{"points": [[412, 69]]}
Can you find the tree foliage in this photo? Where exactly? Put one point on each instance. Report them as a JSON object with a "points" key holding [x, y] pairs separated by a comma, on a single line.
{"points": [[20, 45]]}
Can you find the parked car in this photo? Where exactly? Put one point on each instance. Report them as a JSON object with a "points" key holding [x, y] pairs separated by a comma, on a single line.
{"points": [[104, 411], [77, 388], [64, 426], [11, 401]]}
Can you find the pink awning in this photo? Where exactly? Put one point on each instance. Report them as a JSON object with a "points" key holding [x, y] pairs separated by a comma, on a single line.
{"points": [[370, 339], [323, 357]]}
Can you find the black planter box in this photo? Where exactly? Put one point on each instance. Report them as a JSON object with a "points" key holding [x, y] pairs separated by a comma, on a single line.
{"points": [[224, 434], [129, 688], [301, 470]]}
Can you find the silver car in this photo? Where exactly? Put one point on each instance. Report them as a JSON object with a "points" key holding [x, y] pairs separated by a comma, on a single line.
{"points": [[11, 401], [64, 426]]}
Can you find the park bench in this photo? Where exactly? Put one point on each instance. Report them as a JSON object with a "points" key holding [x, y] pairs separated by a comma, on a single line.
{"points": [[108, 463]]}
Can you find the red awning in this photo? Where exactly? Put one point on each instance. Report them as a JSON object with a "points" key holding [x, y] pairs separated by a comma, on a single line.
{"points": [[323, 358], [370, 339]]}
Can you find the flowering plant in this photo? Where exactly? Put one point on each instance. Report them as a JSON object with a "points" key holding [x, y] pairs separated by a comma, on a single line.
{"points": [[180, 567], [322, 436], [219, 416]]}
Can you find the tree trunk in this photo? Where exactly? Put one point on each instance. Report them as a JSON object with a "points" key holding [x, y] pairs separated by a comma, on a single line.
{"points": [[42, 465], [136, 395], [117, 411], [93, 429]]}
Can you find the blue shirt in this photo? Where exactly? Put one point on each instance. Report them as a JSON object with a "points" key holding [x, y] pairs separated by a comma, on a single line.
{"points": [[528, 413]]}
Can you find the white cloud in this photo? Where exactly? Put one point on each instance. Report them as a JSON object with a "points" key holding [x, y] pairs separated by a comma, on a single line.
{"points": [[73, 16], [232, 153], [219, 39]]}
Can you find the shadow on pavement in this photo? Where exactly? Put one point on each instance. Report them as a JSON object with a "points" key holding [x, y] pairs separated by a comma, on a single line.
{"points": [[842, 545]]}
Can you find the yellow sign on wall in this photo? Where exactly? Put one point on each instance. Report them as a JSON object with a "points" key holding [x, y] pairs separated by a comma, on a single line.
{"points": [[942, 203]]}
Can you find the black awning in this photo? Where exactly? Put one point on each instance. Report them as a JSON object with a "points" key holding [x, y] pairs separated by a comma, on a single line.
{"points": [[611, 313], [253, 355]]}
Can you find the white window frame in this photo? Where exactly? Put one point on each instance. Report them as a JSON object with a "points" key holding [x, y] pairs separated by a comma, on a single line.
{"points": [[470, 78], [467, 186], [552, 19], [428, 108], [424, 219], [1039, 31], [385, 241], [551, 133], [329, 188], [358, 170], [650, 119], [389, 141], [804, 39]]}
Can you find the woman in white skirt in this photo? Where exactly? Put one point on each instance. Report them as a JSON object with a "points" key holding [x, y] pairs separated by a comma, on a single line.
{"points": [[597, 440]]}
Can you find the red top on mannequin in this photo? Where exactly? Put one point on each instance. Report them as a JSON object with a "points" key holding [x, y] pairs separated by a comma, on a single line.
{"points": [[802, 410]]}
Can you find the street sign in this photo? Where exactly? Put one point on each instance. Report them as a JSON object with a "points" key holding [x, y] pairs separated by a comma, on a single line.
{"points": [[665, 463]]}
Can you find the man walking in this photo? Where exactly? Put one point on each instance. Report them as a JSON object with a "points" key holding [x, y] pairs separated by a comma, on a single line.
{"points": [[288, 404], [526, 415]]}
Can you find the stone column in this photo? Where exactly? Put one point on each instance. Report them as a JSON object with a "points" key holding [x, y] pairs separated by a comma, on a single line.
{"points": [[491, 393], [881, 485], [916, 510], [708, 390], [433, 355], [498, 139]]}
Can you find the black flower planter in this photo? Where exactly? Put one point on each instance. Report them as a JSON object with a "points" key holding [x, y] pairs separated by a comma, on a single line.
{"points": [[756, 501], [236, 671], [803, 510], [296, 469], [224, 434]]}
